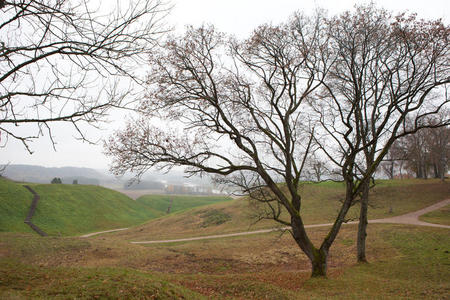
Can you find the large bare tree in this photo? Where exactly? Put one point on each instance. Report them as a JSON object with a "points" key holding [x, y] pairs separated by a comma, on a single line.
{"points": [[237, 109], [69, 61], [388, 69]]}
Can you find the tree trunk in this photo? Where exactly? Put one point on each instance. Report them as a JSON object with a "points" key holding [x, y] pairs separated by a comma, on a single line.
{"points": [[436, 170], [362, 226], [319, 263], [442, 168], [391, 170], [400, 168], [317, 257]]}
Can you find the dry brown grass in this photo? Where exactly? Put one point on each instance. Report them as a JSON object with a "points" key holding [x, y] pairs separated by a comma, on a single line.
{"points": [[273, 252]]}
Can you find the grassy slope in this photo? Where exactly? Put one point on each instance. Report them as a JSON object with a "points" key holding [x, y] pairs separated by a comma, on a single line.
{"points": [[162, 202], [440, 216], [75, 209], [320, 205], [69, 209], [15, 202]]}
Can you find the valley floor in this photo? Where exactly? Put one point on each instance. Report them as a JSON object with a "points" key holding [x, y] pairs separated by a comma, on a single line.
{"points": [[409, 262]]}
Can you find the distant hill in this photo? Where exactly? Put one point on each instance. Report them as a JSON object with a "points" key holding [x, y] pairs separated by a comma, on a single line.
{"points": [[39, 174], [152, 180]]}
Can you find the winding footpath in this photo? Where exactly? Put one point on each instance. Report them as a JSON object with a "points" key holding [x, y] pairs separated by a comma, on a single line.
{"points": [[32, 210], [100, 232], [413, 217], [409, 218]]}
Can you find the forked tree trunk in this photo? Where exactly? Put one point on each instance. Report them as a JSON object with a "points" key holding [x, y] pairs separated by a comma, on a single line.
{"points": [[362, 226], [317, 257]]}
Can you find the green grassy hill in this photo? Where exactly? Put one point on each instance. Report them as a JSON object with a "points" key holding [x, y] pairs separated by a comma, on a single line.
{"points": [[69, 209], [15, 202], [178, 202], [65, 209]]}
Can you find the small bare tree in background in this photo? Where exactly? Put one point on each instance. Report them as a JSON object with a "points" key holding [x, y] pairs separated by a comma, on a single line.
{"points": [[67, 61], [394, 161], [439, 144], [427, 151], [317, 168]]}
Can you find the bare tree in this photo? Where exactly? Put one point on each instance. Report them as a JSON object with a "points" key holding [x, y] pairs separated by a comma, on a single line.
{"points": [[69, 61], [387, 166], [394, 160], [439, 143], [242, 107], [426, 152], [416, 148], [388, 69], [317, 168]]}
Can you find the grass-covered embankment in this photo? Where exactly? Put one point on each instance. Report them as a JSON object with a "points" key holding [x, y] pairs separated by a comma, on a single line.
{"points": [[15, 202], [74, 209], [69, 209]]}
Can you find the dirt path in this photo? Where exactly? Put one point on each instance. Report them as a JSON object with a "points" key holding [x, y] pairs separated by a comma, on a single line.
{"points": [[100, 232], [413, 217], [409, 218], [32, 210]]}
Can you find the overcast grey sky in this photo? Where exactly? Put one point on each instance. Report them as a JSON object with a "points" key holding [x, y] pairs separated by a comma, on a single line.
{"points": [[238, 17]]}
